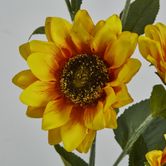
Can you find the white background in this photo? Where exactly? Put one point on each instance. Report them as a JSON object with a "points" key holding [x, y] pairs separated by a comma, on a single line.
{"points": [[22, 142]]}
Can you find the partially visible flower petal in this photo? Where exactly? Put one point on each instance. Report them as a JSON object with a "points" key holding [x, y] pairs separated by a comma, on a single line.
{"points": [[150, 49], [57, 30], [117, 53], [94, 117], [43, 66], [154, 157], [106, 33], [110, 118], [56, 114], [36, 46], [24, 78], [122, 95], [127, 71], [87, 142], [81, 30], [110, 97], [73, 133], [39, 94], [54, 136], [35, 112]]}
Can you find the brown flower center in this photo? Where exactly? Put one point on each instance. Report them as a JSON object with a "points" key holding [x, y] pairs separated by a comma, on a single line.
{"points": [[83, 78]]}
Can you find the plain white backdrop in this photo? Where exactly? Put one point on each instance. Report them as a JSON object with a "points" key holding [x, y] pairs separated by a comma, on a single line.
{"points": [[22, 142]]}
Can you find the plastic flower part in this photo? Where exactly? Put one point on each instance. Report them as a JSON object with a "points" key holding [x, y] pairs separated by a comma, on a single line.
{"points": [[78, 77], [152, 47], [157, 157]]}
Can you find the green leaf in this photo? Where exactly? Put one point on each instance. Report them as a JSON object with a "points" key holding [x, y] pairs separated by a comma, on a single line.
{"points": [[130, 120], [158, 101], [137, 154], [69, 158], [141, 13], [39, 30]]}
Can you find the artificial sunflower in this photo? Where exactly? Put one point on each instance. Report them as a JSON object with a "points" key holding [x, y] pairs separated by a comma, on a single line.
{"points": [[78, 77], [156, 157], [153, 47]]}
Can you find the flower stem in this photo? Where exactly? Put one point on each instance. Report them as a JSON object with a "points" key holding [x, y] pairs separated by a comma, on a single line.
{"points": [[70, 9], [125, 12], [92, 154], [134, 138]]}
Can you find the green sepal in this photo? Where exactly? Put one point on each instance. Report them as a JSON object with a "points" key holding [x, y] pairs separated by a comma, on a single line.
{"points": [[158, 101], [141, 13], [69, 158], [37, 31]]}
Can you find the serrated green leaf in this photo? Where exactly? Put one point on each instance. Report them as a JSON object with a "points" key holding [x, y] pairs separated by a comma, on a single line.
{"points": [[141, 13], [69, 158], [39, 30], [130, 120], [137, 154], [158, 101]]}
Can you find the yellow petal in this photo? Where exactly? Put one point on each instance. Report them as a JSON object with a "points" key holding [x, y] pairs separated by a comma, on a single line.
{"points": [[35, 112], [24, 78], [117, 53], [94, 117], [73, 133], [57, 30], [122, 95], [87, 142], [39, 94], [54, 136], [37, 46], [98, 27], [81, 30], [154, 157], [127, 71], [43, 66], [110, 119], [110, 97], [106, 33], [151, 48], [56, 114]]}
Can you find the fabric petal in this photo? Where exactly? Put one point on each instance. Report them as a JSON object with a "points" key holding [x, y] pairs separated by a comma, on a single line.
{"points": [[39, 94], [43, 66], [154, 157], [117, 53], [122, 95], [94, 117], [36, 46], [54, 136], [24, 78], [81, 30], [35, 112], [110, 119], [56, 114], [127, 71], [106, 34], [73, 133], [57, 30], [150, 48], [87, 142], [110, 97]]}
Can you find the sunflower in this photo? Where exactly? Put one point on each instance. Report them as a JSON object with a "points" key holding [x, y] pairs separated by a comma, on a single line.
{"points": [[78, 77], [153, 47], [157, 157]]}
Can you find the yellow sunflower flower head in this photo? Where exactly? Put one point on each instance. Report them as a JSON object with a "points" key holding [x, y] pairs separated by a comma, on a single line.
{"points": [[157, 157], [153, 47], [78, 77]]}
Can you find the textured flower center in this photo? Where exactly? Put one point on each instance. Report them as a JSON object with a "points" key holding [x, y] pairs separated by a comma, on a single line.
{"points": [[83, 79]]}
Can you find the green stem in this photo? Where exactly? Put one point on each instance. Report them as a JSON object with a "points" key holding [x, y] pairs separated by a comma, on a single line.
{"points": [[92, 154], [134, 138], [125, 12], [70, 9]]}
